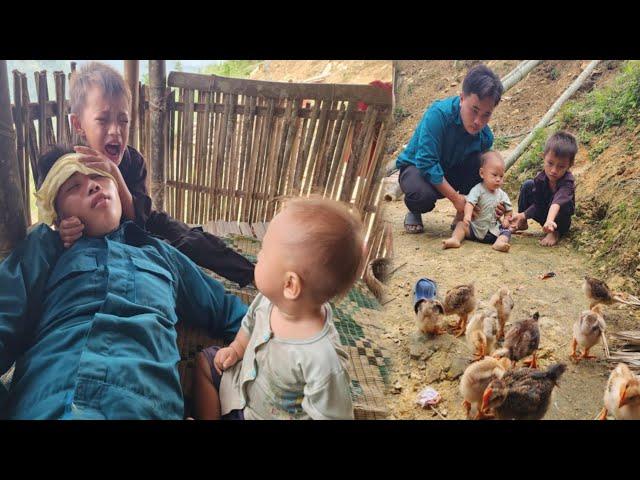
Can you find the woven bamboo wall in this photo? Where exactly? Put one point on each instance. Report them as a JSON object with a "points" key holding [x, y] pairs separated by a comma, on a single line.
{"points": [[237, 147]]}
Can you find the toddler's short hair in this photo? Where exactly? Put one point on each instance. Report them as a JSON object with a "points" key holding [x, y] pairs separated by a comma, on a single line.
{"points": [[482, 81], [563, 145], [484, 157], [335, 236], [96, 74]]}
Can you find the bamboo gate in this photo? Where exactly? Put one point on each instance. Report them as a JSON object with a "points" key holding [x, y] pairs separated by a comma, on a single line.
{"points": [[235, 148]]}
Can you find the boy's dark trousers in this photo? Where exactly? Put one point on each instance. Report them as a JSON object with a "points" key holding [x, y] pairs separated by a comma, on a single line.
{"points": [[420, 196], [203, 248], [527, 198]]}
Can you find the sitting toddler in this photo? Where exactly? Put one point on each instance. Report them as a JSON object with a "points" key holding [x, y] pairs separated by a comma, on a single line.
{"points": [[486, 196], [286, 361]]}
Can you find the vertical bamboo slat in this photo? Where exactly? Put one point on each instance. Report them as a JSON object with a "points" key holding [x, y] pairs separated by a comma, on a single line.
{"points": [[23, 166], [229, 137], [250, 157], [30, 139], [356, 156], [61, 114], [263, 161], [339, 153]]}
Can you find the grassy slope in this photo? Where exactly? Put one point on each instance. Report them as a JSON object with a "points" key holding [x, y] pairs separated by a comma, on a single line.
{"points": [[606, 123]]}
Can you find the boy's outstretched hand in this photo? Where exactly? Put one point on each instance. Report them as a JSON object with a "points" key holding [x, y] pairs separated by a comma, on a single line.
{"points": [[225, 358], [70, 230], [516, 221]]}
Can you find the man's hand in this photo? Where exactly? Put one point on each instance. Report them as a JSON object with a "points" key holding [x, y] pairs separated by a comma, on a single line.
{"points": [[459, 201], [94, 159], [466, 221], [225, 358], [550, 226], [500, 210], [70, 230]]}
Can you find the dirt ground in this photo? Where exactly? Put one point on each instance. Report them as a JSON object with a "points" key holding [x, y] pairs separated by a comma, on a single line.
{"points": [[420, 361], [337, 71]]}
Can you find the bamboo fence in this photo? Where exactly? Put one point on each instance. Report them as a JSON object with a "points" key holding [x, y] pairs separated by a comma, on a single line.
{"points": [[237, 148]]}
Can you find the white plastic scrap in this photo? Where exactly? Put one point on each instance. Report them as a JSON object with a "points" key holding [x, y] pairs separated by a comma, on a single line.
{"points": [[428, 396]]}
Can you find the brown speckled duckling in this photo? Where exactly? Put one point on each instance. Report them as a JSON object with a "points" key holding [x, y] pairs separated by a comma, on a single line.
{"points": [[522, 394], [460, 300], [522, 340]]}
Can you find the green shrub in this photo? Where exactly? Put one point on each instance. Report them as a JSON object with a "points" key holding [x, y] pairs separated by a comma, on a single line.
{"points": [[601, 109]]}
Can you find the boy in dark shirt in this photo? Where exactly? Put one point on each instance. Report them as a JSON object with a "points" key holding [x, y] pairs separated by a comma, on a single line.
{"points": [[100, 108], [549, 198]]}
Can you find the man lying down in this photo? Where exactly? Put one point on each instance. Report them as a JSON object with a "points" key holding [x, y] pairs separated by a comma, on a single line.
{"points": [[92, 328]]}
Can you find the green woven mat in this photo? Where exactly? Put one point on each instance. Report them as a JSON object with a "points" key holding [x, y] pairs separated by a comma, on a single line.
{"points": [[355, 318]]}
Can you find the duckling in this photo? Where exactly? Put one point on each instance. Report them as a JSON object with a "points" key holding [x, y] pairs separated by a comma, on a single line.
{"points": [[522, 394], [428, 316], [477, 377], [587, 331], [460, 300], [597, 292], [522, 340], [622, 395], [502, 301], [482, 330]]}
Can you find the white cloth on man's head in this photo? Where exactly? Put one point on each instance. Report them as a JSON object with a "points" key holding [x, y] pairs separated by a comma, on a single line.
{"points": [[60, 172]]}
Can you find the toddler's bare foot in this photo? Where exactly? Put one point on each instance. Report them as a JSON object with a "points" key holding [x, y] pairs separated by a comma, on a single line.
{"points": [[450, 243], [501, 246], [550, 239]]}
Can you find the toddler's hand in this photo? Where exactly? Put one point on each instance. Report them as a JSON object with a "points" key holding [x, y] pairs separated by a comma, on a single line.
{"points": [[225, 358], [506, 222], [549, 227], [70, 230]]}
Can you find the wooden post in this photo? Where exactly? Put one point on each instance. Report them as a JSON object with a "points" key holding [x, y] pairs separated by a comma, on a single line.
{"points": [[13, 222], [131, 74], [157, 107]]}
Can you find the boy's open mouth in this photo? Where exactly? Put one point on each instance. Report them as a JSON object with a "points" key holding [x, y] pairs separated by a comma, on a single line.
{"points": [[112, 149]]}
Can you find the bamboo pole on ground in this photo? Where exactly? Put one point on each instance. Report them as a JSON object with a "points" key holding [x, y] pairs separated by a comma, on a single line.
{"points": [[131, 75], [13, 222], [518, 73], [157, 106], [568, 93]]}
